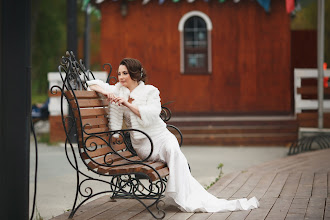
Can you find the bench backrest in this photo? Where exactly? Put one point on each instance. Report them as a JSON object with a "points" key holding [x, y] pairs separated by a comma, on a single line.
{"points": [[99, 150], [90, 111]]}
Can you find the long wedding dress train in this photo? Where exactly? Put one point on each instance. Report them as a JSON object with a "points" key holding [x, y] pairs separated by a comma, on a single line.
{"points": [[182, 187]]}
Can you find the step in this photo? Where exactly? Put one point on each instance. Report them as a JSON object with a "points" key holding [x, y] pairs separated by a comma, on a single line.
{"points": [[232, 121], [237, 131], [240, 140]]}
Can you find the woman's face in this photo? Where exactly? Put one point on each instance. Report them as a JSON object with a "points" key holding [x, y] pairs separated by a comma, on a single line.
{"points": [[124, 77]]}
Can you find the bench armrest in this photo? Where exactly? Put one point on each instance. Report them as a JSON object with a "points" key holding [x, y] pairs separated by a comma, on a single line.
{"points": [[178, 131], [96, 140]]}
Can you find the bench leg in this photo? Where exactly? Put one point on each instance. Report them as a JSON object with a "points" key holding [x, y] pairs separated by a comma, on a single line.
{"points": [[130, 187]]}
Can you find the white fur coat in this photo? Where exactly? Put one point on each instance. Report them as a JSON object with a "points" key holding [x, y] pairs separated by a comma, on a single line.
{"points": [[145, 98]]}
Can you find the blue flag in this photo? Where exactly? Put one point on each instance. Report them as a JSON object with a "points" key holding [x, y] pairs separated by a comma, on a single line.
{"points": [[265, 4]]}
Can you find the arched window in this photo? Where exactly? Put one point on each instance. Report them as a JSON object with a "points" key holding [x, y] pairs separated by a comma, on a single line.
{"points": [[195, 29]]}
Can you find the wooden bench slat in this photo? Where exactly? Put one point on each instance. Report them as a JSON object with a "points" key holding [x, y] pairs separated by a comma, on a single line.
{"points": [[142, 168], [94, 122], [93, 112], [94, 130], [113, 170], [162, 172], [131, 168], [116, 147], [156, 166], [85, 103], [101, 151], [139, 168], [83, 94], [88, 103], [122, 161], [109, 158], [96, 153], [95, 140]]}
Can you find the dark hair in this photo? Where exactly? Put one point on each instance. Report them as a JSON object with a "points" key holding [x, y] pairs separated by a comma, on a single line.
{"points": [[135, 69]]}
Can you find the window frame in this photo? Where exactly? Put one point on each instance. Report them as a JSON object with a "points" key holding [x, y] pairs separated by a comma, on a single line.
{"points": [[184, 69]]}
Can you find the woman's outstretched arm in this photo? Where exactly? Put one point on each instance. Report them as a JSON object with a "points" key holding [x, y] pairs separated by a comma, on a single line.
{"points": [[102, 87], [99, 89]]}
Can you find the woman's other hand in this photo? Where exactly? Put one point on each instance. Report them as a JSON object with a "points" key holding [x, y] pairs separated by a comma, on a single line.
{"points": [[120, 101], [110, 96]]}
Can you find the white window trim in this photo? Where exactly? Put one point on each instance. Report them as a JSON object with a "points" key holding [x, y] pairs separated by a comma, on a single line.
{"points": [[209, 27], [195, 13]]}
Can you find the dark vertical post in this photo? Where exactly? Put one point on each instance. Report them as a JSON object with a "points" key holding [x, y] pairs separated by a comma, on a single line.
{"points": [[15, 105], [72, 44], [320, 60], [86, 37]]}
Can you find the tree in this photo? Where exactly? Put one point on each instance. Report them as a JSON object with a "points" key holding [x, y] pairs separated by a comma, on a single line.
{"points": [[306, 19], [49, 40]]}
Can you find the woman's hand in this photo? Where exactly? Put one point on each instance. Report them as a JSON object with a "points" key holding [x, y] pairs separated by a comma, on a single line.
{"points": [[110, 96], [120, 101]]}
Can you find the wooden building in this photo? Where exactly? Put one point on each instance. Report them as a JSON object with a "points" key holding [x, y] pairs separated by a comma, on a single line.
{"points": [[210, 58], [227, 67]]}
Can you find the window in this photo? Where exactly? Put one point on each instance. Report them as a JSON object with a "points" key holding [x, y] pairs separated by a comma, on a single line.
{"points": [[195, 29]]}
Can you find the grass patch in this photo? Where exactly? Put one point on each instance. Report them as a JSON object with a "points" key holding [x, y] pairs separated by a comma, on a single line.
{"points": [[220, 166], [37, 215], [43, 138], [39, 98]]}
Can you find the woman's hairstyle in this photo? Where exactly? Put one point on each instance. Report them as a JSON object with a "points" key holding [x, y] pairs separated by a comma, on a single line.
{"points": [[135, 69]]}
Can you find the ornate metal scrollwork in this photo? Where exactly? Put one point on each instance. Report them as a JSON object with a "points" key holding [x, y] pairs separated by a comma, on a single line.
{"points": [[165, 114], [74, 76], [304, 144]]}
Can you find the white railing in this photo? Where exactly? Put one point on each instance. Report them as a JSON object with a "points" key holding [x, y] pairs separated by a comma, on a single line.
{"points": [[54, 78], [307, 104]]}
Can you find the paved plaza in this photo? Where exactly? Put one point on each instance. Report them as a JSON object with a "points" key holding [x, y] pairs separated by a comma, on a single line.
{"points": [[57, 179]]}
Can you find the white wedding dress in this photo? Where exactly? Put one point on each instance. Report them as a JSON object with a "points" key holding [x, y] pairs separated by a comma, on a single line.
{"points": [[182, 187]]}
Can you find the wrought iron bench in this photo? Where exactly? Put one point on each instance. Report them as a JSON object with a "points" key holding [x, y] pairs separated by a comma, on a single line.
{"points": [[114, 158]]}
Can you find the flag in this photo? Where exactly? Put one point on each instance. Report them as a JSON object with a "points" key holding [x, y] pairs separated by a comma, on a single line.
{"points": [[289, 6], [145, 2], [265, 4]]}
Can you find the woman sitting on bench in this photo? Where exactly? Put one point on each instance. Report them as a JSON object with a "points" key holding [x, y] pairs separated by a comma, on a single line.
{"points": [[139, 106]]}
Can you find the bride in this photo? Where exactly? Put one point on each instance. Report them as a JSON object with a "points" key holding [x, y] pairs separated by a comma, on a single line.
{"points": [[139, 106]]}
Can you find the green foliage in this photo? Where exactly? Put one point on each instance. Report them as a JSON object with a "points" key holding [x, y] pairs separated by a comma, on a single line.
{"points": [[37, 215], [44, 138], [49, 33], [48, 40], [219, 167], [306, 19], [38, 98]]}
